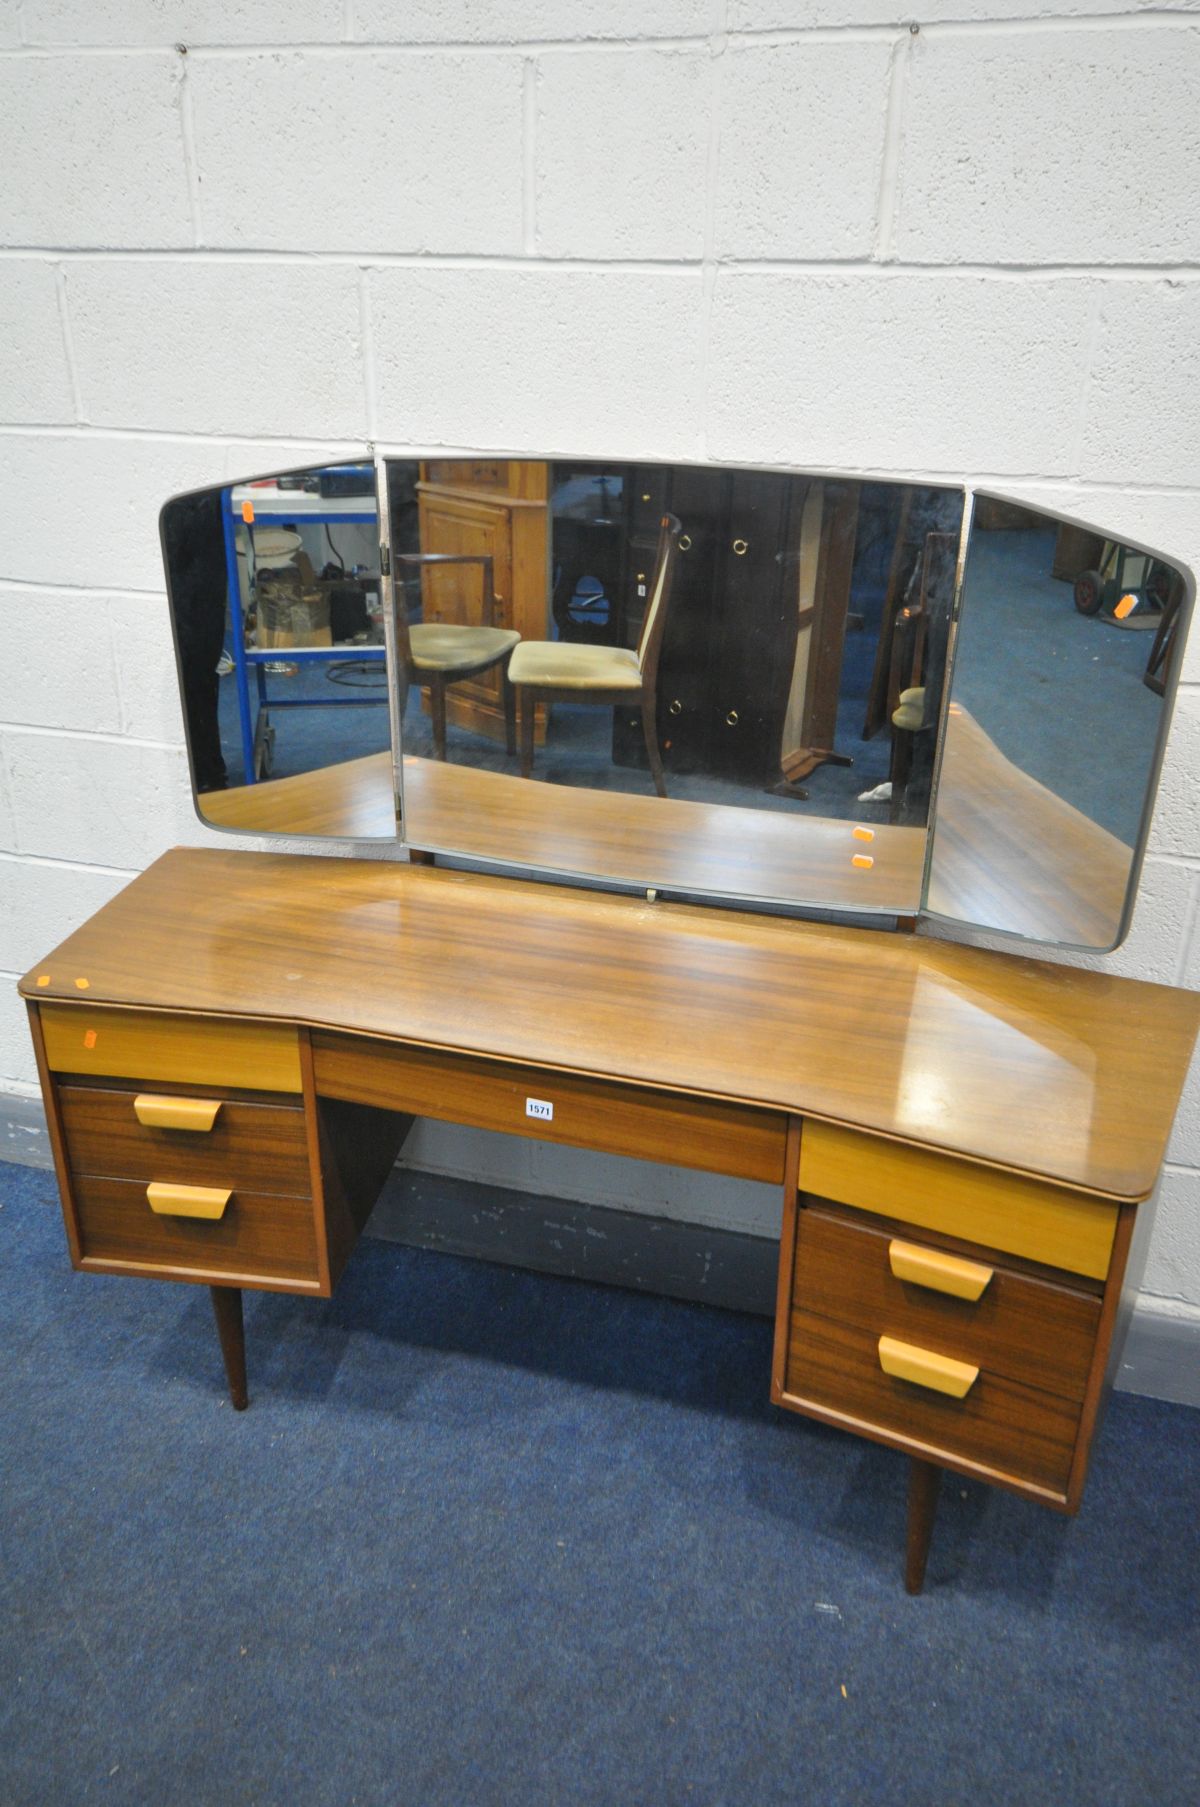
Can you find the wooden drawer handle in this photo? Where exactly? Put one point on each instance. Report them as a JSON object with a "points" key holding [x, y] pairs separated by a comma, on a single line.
{"points": [[925, 1369], [188, 1201], [942, 1273], [156, 1112]]}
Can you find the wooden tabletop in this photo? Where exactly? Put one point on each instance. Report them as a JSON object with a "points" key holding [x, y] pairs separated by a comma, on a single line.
{"points": [[1044, 1069]]}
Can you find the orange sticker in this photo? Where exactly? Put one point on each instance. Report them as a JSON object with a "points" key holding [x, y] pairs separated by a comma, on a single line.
{"points": [[89, 1040], [82, 984], [1126, 606], [248, 513], [864, 834], [43, 978], [863, 860]]}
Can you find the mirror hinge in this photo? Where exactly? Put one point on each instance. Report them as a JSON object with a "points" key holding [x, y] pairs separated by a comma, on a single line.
{"points": [[385, 559]]}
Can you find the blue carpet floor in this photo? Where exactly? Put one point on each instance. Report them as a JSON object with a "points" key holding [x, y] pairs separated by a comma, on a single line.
{"points": [[485, 1537]]}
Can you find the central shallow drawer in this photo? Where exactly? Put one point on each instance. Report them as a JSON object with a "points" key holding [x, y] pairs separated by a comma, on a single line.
{"points": [[257, 1147], [587, 1113]]}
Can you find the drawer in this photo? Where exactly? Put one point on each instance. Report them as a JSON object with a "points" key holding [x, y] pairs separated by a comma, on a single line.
{"points": [[1000, 1429], [1029, 1330], [1025, 1217], [153, 1046], [259, 1238], [259, 1147], [587, 1113]]}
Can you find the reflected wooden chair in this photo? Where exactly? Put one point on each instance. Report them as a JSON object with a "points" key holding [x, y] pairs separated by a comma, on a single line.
{"points": [[435, 654], [560, 671]]}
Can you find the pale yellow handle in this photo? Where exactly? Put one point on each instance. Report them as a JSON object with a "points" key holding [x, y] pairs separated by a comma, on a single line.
{"points": [[175, 1113], [942, 1273], [188, 1201], [925, 1369]]}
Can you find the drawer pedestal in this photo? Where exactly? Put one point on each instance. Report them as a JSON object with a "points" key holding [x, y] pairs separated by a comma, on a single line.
{"points": [[961, 1353]]}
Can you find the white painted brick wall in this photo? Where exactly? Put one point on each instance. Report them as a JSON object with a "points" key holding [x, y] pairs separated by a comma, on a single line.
{"points": [[780, 15], [1003, 162], [82, 508], [899, 361], [622, 153], [94, 801], [47, 900], [76, 688], [1143, 405], [341, 151], [144, 22], [540, 359], [92, 151], [801, 150], [527, 21], [34, 379], [181, 347], [774, 230]]}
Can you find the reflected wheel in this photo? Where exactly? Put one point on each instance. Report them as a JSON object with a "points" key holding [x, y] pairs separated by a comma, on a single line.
{"points": [[1089, 592]]}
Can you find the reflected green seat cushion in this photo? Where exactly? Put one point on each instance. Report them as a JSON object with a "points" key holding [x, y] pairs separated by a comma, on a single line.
{"points": [[911, 712], [562, 665], [440, 646]]}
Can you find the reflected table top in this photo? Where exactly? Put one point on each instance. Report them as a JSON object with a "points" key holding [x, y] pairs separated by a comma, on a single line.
{"points": [[610, 835]]}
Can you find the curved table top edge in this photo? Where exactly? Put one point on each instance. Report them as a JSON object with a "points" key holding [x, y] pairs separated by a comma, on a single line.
{"points": [[718, 926]]}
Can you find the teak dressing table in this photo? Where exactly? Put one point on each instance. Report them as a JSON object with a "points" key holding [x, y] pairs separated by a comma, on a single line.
{"points": [[231, 1053]]}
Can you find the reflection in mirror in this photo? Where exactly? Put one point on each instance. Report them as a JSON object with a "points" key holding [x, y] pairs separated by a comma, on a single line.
{"points": [[275, 600], [688, 677], [1064, 652]]}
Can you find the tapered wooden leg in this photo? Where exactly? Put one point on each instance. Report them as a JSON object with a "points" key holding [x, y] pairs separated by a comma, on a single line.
{"points": [[510, 711], [650, 735], [437, 709], [528, 711], [227, 1309], [924, 1480]]}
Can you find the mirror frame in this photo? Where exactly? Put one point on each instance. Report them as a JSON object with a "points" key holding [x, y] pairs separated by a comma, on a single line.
{"points": [[364, 460], [378, 458], [1016, 937]]}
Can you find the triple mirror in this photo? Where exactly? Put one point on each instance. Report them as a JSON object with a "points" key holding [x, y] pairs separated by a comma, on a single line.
{"points": [[804, 691]]}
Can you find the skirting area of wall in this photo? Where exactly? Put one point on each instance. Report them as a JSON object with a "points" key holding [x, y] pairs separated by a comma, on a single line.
{"points": [[446, 1195]]}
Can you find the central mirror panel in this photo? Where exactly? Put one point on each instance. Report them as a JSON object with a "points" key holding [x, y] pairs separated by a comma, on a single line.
{"points": [[712, 681]]}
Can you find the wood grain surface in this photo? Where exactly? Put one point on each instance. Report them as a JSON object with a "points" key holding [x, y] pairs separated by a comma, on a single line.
{"points": [[113, 1045], [713, 849], [1034, 1332], [262, 1236], [1010, 854], [588, 1113], [258, 1147], [1001, 1210], [1042, 1069], [1002, 1430]]}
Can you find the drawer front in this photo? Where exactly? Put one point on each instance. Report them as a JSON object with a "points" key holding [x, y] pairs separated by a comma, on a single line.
{"points": [[980, 1204], [258, 1147], [152, 1046], [258, 1237], [587, 1113], [1031, 1331], [1000, 1428]]}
